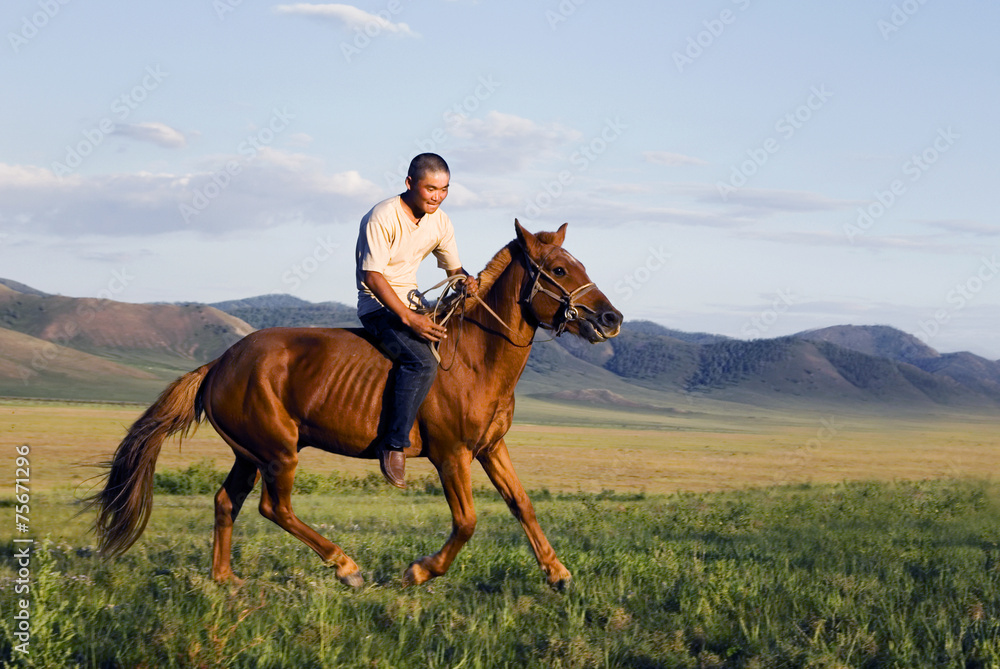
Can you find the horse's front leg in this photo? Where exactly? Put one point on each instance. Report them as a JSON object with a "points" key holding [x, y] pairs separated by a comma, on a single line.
{"points": [[496, 462], [457, 483]]}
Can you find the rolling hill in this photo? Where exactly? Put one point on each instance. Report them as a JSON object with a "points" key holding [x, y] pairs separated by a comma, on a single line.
{"points": [[799, 370], [268, 311], [880, 341], [106, 327], [973, 372], [83, 348], [19, 287]]}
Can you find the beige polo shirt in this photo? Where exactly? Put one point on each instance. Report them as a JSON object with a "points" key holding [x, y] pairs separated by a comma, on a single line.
{"points": [[393, 245]]}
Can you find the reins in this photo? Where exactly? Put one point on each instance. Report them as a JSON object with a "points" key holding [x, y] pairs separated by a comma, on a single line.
{"points": [[444, 308]]}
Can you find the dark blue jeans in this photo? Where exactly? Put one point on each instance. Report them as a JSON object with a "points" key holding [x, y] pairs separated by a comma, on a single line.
{"points": [[413, 370]]}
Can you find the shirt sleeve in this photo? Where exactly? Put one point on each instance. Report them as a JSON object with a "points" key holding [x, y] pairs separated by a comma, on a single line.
{"points": [[447, 250], [377, 237]]}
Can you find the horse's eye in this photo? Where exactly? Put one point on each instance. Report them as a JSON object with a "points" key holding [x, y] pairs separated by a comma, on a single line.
{"points": [[559, 271]]}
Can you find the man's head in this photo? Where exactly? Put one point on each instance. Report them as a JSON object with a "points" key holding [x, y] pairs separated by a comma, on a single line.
{"points": [[424, 164], [427, 183]]}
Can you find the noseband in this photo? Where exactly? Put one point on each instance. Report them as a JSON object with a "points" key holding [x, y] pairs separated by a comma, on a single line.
{"points": [[566, 299]]}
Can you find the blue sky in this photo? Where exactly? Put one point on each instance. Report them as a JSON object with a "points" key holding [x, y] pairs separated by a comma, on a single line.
{"points": [[740, 167]]}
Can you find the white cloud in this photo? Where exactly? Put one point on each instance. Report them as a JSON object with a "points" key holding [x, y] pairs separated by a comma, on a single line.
{"points": [[154, 133], [501, 142], [273, 188], [586, 210], [974, 228], [116, 257], [671, 159], [461, 196], [497, 126], [28, 177], [941, 244], [349, 16], [768, 200], [300, 139]]}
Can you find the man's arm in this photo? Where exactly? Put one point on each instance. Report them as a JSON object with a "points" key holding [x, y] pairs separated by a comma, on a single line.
{"points": [[419, 323]]}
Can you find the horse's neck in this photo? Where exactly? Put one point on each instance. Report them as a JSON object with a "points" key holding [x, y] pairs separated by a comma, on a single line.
{"points": [[499, 351]]}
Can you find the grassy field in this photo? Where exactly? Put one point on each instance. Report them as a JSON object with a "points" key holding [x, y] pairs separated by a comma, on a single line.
{"points": [[564, 447], [902, 575], [732, 540]]}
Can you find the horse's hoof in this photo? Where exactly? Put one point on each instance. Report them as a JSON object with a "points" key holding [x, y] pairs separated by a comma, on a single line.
{"points": [[561, 583], [229, 579], [354, 580], [415, 575]]}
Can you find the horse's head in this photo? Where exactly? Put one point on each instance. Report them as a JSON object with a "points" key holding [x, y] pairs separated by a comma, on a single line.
{"points": [[558, 292]]}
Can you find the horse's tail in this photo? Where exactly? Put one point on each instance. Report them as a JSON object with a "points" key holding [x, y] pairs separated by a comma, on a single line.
{"points": [[125, 503]]}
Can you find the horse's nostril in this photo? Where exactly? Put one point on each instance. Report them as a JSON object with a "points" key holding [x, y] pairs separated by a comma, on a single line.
{"points": [[611, 319]]}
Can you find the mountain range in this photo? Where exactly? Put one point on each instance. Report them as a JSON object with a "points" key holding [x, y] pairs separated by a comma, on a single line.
{"points": [[83, 348]]}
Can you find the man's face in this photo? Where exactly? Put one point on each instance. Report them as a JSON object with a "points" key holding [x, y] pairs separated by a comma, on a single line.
{"points": [[428, 192]]}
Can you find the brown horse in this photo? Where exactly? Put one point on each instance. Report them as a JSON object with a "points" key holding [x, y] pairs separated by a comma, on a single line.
{"points": [[279, 390]]}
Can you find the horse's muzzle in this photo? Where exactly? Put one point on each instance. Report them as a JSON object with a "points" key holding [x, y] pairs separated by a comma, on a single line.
{"points": [[601, 326]]}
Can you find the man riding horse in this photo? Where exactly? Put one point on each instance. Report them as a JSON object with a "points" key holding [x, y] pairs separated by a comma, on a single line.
{"points": [[279, 390], [395, 236]]}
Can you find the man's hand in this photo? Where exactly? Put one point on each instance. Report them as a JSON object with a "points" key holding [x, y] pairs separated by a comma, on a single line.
{"points": [[419, 323], [469, 282], [424, 326], [471, 285]]}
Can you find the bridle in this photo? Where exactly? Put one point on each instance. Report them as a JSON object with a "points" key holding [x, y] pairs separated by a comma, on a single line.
{"points": [[566, 298], [445, 307]]}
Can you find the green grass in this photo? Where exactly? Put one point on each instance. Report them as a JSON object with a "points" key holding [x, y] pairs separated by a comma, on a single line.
{"points": [[865, 575]]}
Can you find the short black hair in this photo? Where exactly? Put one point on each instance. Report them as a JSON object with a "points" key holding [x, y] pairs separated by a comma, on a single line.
{"points": [[426, 163]]}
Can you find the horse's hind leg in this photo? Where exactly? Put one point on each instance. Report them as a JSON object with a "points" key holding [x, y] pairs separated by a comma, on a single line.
{"points": [[228, 502], [276, 506], [496, 462]]}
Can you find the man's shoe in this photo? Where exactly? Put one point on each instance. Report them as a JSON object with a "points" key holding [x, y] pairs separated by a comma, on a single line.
{"points": [[393, 464]]}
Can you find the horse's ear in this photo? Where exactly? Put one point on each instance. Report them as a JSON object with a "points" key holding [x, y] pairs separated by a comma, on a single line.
{"points": [[527, 240], [560, 235]]}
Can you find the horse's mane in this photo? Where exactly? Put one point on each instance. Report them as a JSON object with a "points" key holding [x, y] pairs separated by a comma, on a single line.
{"points": [[495, 267], [499, 262]]}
